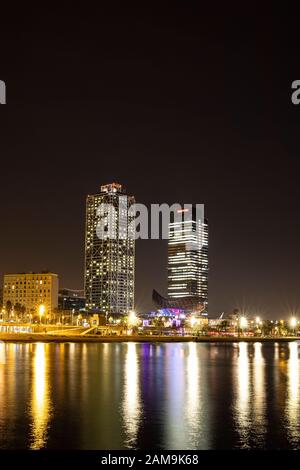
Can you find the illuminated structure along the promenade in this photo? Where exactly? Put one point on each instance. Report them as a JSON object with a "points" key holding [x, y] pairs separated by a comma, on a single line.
{"points": [[109, 260], [188, 257]]}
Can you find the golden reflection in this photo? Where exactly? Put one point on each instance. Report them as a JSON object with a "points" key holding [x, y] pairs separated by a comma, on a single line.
{"points": [[242, 408], [276, 352], [259, 379], [132, 408], [6, 391], [292, 409], [259, 394], [40, 399], [2, 353]]}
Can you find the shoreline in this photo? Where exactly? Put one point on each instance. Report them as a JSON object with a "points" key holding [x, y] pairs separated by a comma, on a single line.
{"points": [[48, 338]]}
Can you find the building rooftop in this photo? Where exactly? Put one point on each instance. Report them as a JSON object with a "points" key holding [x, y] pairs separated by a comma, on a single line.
{"points": [[112, 188]]}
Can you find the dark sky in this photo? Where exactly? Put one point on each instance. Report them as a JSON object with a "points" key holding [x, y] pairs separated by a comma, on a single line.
{"points": [[179, 105]]}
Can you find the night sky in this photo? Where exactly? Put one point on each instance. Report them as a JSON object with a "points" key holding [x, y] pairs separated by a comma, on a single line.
{"points": [[179, 105]]}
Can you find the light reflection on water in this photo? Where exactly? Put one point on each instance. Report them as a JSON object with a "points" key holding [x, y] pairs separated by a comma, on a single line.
{"points": [[292, 405], [250, 403], [130, 395], [131, 400], [193, 398], [242, 405], [40, 398], [259, 395]]}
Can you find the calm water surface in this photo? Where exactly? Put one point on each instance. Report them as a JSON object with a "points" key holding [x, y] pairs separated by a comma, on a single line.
{"points": [[164, 396]]}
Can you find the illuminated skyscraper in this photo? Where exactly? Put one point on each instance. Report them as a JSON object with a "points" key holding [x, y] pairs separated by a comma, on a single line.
{"points": [[109, 251], [188, 257]]}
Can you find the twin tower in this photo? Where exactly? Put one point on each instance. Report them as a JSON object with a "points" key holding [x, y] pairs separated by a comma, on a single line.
{"points": [[110, 260]]}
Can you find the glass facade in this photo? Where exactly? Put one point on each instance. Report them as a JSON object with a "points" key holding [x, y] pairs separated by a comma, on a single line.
{"points": [[188, 257], [109, 252]]}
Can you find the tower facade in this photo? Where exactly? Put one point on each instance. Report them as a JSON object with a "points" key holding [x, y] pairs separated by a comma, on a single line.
{"points": [[109, 251], [188, 257]]}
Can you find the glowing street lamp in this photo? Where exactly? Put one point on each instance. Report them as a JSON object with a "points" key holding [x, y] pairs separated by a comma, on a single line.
{"points": [[41, 311], [293, 323], [257, 320], [132, 318], [243, 323]]}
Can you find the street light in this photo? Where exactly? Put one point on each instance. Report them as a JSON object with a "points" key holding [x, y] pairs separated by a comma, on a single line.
{"points": [[243, 323], [41, 311], [132, 318], [293, 323]]}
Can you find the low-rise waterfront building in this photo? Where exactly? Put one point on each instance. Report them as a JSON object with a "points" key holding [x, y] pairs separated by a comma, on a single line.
{"points": [[25, 293]]}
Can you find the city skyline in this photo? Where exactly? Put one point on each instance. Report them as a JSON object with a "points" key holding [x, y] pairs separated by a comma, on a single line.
{"points": [[244, 307], [149, 255], [221, 130]]}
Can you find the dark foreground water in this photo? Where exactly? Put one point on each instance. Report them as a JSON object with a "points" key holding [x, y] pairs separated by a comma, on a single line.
{"points": [[166, 396]]}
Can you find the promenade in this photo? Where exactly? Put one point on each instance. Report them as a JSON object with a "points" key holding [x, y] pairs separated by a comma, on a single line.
{"points": [[71, 338]]}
